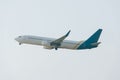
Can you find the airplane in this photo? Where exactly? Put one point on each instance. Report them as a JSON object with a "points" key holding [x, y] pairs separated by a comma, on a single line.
{"points": [[52, 43]]}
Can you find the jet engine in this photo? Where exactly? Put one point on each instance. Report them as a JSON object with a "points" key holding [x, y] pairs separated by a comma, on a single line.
{"points": [[46, 45]]}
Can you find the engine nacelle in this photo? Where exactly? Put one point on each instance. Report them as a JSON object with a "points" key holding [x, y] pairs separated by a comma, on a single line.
{"points": [[45, 43], [48, 47]]}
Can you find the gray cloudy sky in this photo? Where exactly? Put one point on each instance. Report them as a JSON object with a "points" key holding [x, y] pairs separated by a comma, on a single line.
{"points": [[53, 18]]}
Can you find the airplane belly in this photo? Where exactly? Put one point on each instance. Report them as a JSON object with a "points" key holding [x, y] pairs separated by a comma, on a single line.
{"points": [[68, 46]]}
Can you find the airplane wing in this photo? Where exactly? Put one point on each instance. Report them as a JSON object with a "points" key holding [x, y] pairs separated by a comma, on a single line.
{"points": [[58, 41]]}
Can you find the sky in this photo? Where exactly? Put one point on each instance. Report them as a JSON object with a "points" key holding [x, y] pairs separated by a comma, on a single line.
{"points": [[53, 18]]}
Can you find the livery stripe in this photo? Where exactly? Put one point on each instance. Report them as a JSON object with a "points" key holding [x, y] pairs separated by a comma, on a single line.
{"points": [[78, 44]]}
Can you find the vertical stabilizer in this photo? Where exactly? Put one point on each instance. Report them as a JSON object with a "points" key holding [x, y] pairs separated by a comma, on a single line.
{"points": [[92, 39]]}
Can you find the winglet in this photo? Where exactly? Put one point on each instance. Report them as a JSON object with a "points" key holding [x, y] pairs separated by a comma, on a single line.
{"points": [[68, 33]]}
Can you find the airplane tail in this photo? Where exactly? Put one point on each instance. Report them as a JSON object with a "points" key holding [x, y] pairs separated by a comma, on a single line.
{"points": [[92, 41], [94, 38]]}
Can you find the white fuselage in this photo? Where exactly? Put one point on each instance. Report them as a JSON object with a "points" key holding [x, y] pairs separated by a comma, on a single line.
{"points": [[50, 43], [44, 41]]}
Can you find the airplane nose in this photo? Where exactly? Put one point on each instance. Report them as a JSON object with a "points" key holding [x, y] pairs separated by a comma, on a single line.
{"points": [[16, 39]]}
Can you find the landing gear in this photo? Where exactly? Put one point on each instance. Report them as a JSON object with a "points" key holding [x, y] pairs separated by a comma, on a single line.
{"points": [[55, 45], [56, 48], [20, 43]]}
